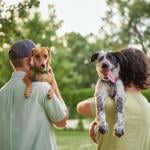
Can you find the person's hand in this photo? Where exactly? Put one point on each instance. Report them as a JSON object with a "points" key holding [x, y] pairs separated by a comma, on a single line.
{"points": [[92, 131]]}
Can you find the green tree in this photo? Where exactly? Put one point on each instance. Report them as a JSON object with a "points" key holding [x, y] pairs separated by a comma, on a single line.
{"points": [[10, 31], [10, 17], [80, 49], [127, 23], [43, 32]]}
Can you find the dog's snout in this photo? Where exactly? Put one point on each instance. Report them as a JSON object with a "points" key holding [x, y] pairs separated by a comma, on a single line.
{"points": [[43, 66], [105, 66]]}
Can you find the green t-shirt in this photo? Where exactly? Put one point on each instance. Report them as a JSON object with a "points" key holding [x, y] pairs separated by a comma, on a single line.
{"points": [[27, 124], [137, 124]]}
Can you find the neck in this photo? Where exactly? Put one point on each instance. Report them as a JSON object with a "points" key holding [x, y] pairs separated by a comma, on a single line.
{"points": [[44, 71], [132, 89], [22, 69]]}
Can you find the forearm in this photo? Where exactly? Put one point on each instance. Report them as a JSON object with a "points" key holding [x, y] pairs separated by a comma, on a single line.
{"points": [[55, 110], [58, 94], [57, 91], [61, 123], [86, 107]]}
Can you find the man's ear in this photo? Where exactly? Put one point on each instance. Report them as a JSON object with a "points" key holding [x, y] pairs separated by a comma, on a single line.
{"points": [[49, 54], [94, 57]]}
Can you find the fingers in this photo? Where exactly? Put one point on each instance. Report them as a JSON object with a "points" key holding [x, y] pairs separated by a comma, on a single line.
{"points": [[92, 133]]}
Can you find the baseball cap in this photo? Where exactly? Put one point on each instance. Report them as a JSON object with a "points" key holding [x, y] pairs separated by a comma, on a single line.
{"points": [[21, 49]]}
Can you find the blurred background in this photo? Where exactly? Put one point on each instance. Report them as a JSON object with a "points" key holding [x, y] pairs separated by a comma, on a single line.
{"points": [[73, 30]]}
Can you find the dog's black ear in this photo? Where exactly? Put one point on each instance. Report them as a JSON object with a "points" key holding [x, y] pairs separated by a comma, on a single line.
{"points": [[123, 61], [33, 49], [94, 57]]}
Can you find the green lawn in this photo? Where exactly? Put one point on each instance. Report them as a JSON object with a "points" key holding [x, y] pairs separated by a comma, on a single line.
{"points": [[74, 140]]}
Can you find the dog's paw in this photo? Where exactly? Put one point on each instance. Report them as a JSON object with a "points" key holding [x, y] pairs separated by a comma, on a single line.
{"points": [[50, 93], [27, 93], [48, 96], [103, 127], [119, 130]]}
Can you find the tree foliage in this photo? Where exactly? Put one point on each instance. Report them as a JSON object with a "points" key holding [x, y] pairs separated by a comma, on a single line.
{"points": [[69, 51], [10, 31], [127, 23], [10, 18]]}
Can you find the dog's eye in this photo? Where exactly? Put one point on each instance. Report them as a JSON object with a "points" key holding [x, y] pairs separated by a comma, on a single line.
{"points": [[101, 58], [110, 57], [45, 56], [37, 56]]}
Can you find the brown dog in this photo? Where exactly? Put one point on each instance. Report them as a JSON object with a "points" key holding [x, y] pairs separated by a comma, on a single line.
{"points": [[41, 70]]}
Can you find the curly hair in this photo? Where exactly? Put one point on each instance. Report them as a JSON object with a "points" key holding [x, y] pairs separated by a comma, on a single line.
{"points": [[133, 67]]}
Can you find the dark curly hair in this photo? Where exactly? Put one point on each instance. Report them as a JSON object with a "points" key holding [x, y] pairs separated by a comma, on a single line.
{"points": [[133, 67]]}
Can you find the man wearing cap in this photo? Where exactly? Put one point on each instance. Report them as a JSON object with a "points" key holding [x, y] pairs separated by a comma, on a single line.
{"points": [[27, 124]]}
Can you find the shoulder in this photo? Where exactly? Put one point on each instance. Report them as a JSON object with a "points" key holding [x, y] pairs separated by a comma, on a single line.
{"points": [[41, 86], [40, 91], [137, 96], [4, 87], [136, 102]]}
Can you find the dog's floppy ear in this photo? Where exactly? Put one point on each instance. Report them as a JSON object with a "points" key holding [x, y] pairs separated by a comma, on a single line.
{"points": [[94, 57], [49, 54], [123, 61], [33, 49]]}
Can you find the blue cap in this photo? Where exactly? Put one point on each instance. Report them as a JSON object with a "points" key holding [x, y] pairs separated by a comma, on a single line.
{"points": [[21, 49]]}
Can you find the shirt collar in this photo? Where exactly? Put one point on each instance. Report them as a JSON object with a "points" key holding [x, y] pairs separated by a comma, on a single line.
{"points": [[16, 74]]}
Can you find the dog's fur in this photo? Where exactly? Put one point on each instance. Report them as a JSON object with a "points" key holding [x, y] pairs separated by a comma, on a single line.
{"points": [[40, 71], [105, 87]]}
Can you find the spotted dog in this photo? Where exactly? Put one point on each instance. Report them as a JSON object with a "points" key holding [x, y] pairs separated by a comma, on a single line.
{"points": [[109, 84]]}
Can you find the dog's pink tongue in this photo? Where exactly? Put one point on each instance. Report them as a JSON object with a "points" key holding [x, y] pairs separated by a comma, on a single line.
{"points": [[111, 76]]}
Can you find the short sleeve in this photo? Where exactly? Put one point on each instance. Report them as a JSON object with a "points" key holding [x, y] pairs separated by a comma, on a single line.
{"points": [[55, 109], [92, 106]]}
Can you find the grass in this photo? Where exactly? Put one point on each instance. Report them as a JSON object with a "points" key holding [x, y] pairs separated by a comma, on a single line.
{"points": [[74, 140]]}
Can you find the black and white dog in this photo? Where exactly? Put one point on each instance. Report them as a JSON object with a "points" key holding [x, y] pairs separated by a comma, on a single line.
{"points": [[109, 84]]}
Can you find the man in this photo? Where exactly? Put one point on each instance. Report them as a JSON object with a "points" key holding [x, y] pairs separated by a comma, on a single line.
{"points": [[27, 124]]}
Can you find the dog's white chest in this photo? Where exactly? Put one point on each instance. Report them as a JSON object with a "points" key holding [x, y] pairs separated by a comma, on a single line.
{"points": [[105, 89]]}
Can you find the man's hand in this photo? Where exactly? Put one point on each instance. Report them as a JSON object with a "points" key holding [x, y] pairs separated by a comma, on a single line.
{"points": [[92, 131]]}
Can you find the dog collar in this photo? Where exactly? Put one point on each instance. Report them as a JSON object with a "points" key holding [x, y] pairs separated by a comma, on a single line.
{"points": [[44, 71], [34, 68], [107, 80]]}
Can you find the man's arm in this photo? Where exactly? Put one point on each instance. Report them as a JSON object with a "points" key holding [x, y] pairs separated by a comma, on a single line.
{"points": [[56, 90], [62, 123], [56, 110]]}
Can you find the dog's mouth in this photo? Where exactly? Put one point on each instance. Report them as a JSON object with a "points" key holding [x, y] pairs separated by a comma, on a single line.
{"points": [[42, 68], [105, 72], [108, 75]]}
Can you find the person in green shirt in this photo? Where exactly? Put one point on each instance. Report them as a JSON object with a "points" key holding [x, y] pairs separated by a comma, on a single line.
{"points": [[28, 123], [137, 108]]}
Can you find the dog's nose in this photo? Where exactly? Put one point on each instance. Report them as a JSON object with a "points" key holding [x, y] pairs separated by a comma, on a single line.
{"points": [[43, 66], [105, 66]]}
